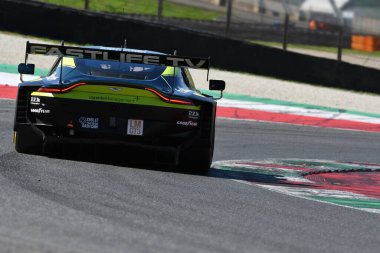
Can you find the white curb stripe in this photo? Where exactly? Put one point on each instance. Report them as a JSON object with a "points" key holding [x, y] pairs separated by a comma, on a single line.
{"points": [[9, 79], [14, 79]]}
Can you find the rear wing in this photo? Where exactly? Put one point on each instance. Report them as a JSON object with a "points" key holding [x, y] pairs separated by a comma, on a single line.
{"points": [[116, 55], [121, 55]]}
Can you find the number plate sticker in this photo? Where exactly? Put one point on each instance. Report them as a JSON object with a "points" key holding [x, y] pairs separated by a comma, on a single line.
{"points": [[135, 127]]}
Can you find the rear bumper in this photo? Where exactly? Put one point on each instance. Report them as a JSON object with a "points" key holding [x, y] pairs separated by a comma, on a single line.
{"points": [[165, 135], [143, 150]]}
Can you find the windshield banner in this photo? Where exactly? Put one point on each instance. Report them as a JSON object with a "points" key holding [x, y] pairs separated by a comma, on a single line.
{"points": [[121, 56]]}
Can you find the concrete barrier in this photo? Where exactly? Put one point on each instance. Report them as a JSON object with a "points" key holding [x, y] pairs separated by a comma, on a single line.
{"points": [[39, 19]]}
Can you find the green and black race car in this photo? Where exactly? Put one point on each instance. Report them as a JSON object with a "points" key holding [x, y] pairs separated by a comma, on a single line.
{"points": [[139, 101]]}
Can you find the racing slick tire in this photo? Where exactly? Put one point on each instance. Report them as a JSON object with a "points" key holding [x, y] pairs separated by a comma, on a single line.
{"points": [[27, 141]]}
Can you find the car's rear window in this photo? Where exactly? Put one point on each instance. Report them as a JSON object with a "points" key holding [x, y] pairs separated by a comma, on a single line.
{"points": [[166, 79], [119, 69]]}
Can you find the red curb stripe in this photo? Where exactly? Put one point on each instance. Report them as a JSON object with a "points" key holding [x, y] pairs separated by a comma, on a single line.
{"points": [[238, 113], [365, 183], [7, 91]]}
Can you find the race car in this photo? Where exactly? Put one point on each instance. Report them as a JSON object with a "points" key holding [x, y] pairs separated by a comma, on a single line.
{"points": [[142, 102]]}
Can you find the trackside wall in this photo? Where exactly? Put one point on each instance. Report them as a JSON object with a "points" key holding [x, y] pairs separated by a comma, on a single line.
{"points": [[39, 19]]}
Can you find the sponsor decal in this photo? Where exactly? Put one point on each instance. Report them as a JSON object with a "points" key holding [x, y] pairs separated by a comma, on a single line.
{"points": [[135, 127], [124, 99], [187, 123], [40, 110], [89, 123], [113, 55], [115, 89], [35, 100], [193, 114]]}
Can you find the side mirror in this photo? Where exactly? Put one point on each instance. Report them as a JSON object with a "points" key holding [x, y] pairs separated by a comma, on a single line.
{"points": [[217, 85], [27, 69]]}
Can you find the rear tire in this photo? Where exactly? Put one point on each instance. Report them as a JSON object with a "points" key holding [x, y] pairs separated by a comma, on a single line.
{"points": [[27, 141], [197, 161]]}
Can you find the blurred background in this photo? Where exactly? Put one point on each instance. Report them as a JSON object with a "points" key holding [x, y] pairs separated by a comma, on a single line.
{"points": [[346, 30]]}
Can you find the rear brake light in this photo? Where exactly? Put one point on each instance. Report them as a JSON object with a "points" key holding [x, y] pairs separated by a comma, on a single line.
{"points": [[169, 100], [59, 90]]}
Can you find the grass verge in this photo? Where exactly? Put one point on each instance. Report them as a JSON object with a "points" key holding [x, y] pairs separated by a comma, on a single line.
{"points": [[147, 7]]}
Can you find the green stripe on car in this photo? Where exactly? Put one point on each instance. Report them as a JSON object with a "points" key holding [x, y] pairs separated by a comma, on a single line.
{"points": [[107, 94]]}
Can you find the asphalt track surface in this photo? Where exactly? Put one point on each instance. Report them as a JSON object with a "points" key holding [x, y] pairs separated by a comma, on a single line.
{"points": [[57, 205]]}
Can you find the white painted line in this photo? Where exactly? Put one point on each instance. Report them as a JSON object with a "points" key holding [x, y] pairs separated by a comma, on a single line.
{"points": [[9, 79], [14, 79]]}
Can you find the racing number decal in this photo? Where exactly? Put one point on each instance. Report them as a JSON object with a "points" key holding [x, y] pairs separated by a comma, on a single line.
{"points": [[135, 127]]}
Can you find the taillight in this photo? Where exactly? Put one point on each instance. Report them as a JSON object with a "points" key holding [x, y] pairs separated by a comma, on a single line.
{"points": [[59, 90], [169, 100]]}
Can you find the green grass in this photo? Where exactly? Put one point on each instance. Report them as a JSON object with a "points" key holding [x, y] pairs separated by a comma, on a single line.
{"points": [[148, 7], [318, 48]]}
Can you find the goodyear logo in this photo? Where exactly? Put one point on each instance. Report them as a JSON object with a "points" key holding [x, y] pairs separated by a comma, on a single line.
{"points": [[39, 111]]}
